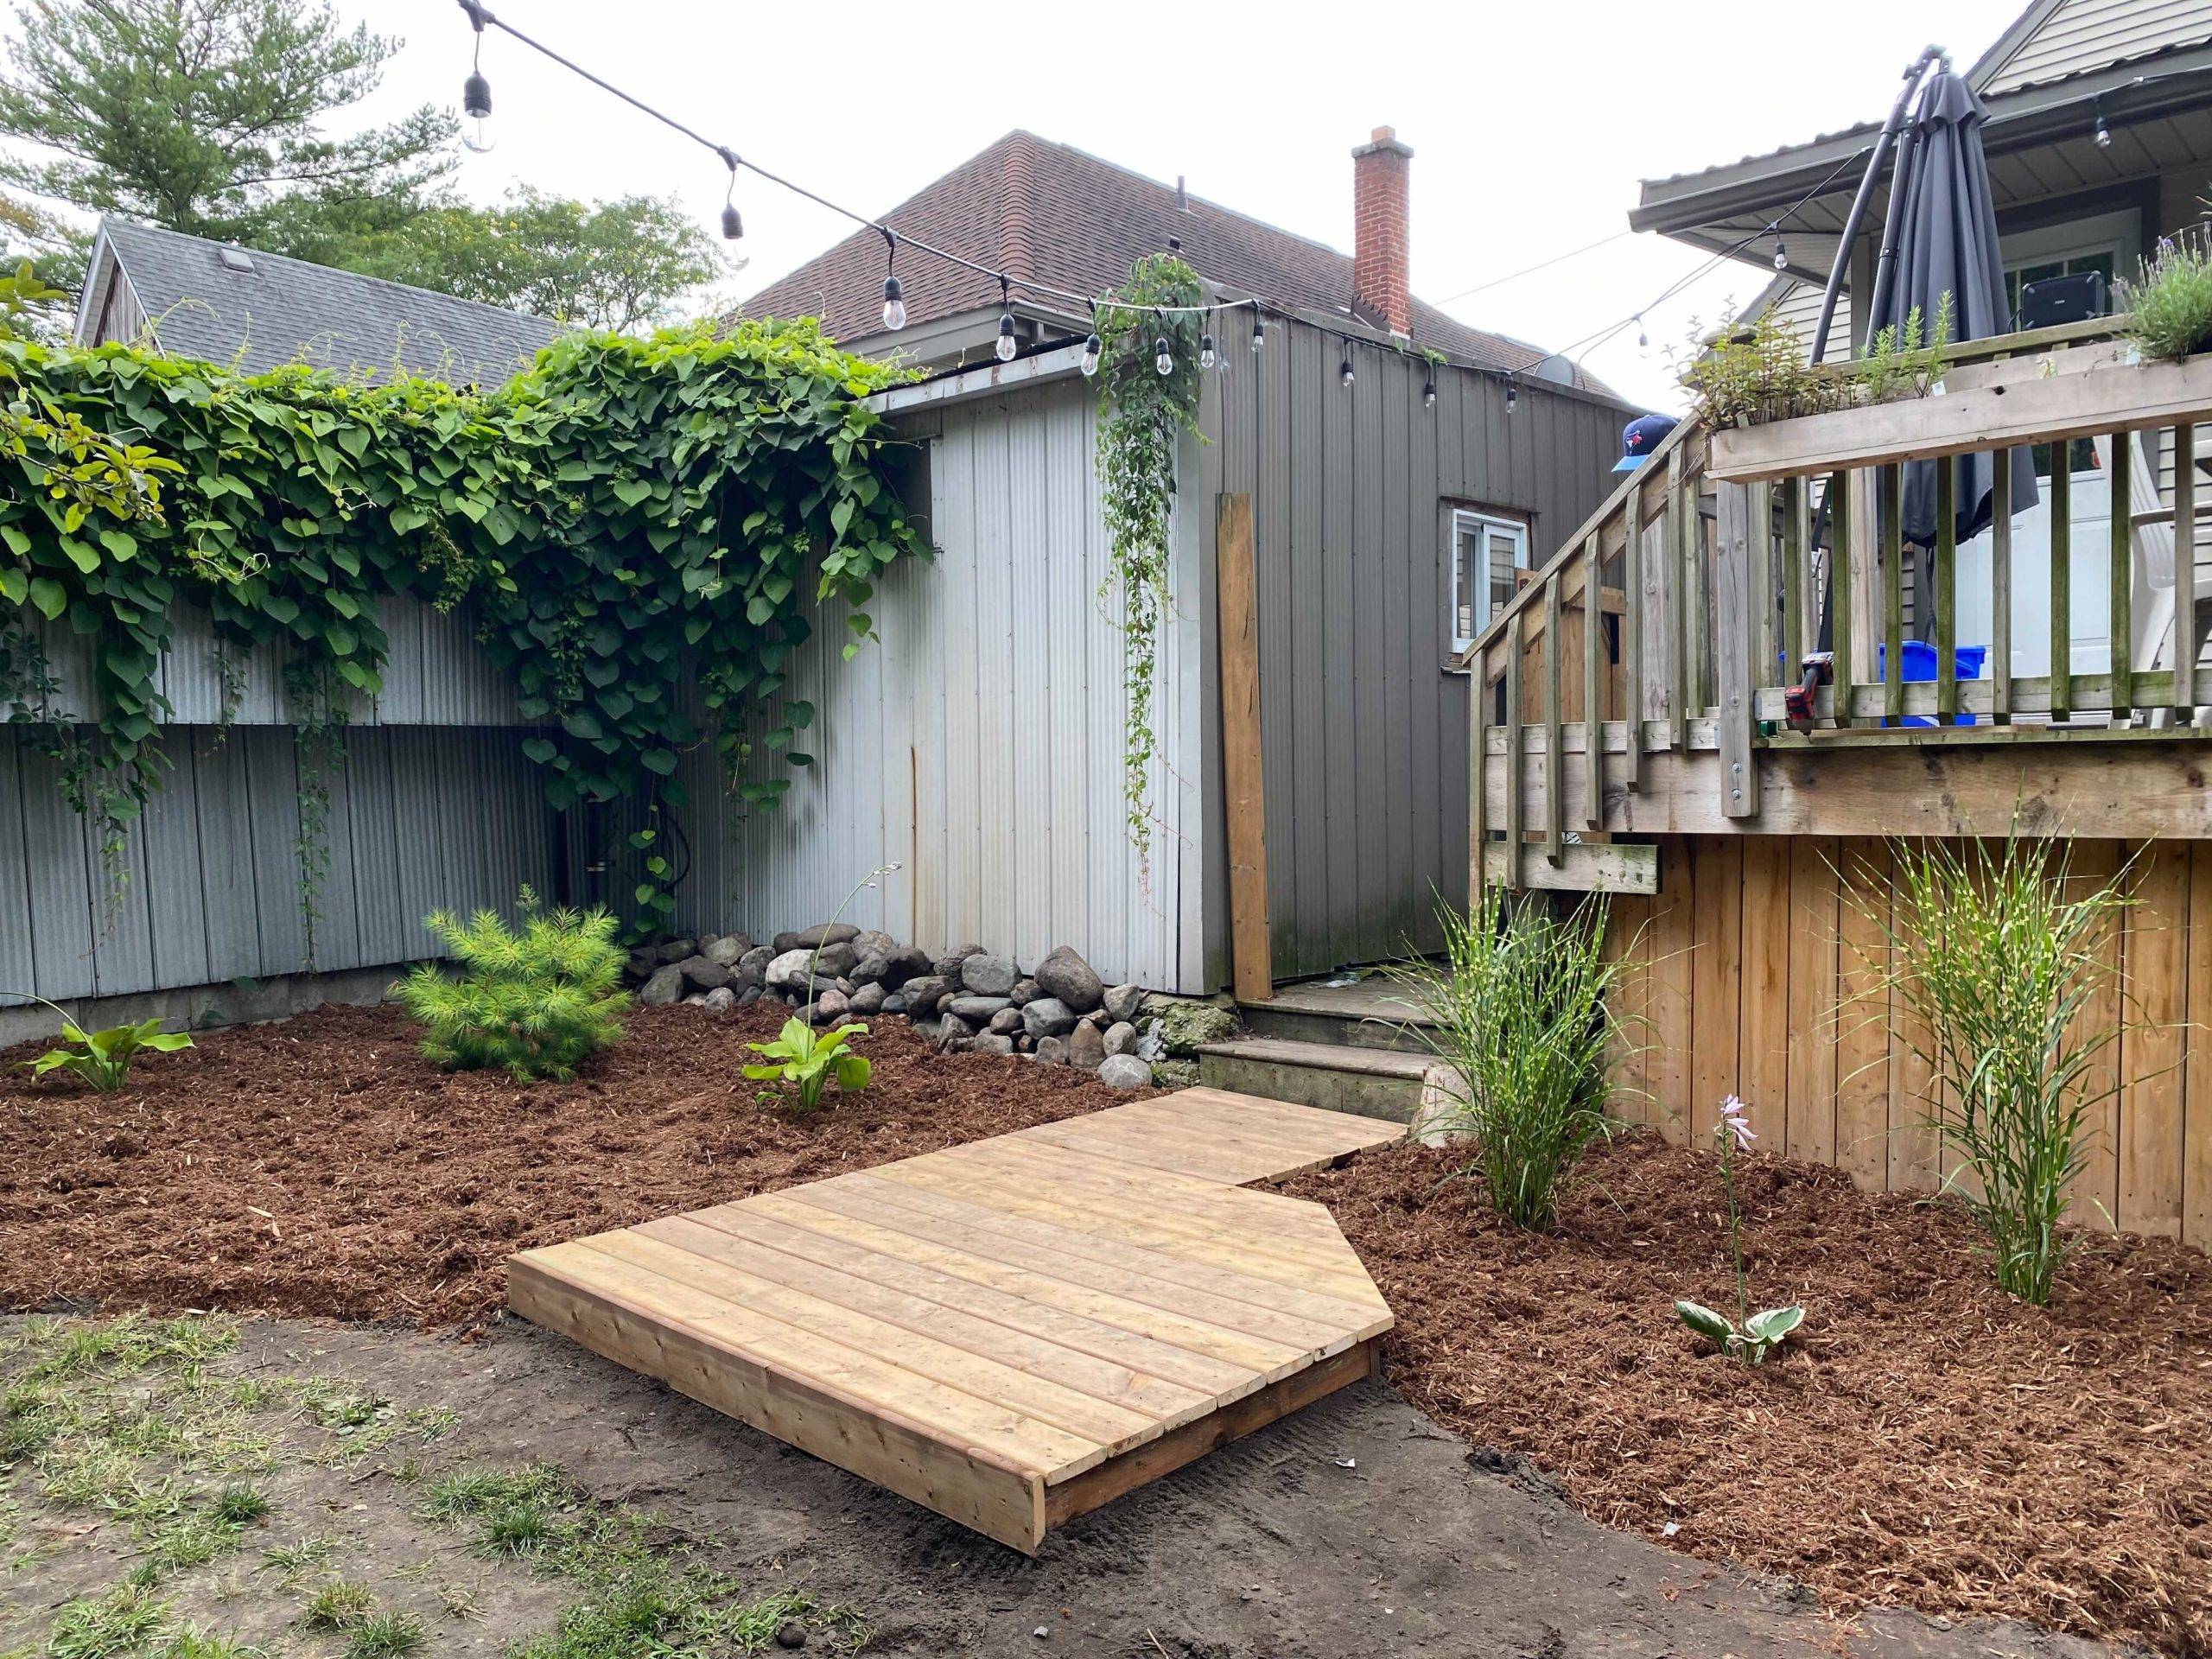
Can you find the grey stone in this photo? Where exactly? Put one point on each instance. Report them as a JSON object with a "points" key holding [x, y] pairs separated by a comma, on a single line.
{"points": [[730, 949], [826, 933], [1024, 1043], [1175, 1074], [909, 964], [1053, 1050], [721, 999], [977, 1010], [988, 975], [1048, 1017], [676, 950], [951, 1029], [784, 941], [1121, 1038], [697, 999], [1086, 1048], [895, 1003], [1065, 974], [868, 999], [991, 1043], [642, 963], [743, 979], [663, 988], [831, 1007], [949, 964], [1005, 1022], [922, 994], [1124, 1071], [874, 942], [757, 959], [1186, 1022], [749, 995], [1123, 1002], [703, 972], [833, 960], [1026, 990], [788, 969]]}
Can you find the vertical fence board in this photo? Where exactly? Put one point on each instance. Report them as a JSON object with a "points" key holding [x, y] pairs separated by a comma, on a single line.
{"points": [[1667, 1066], [1716, 976], [2196, 1079], [2157, 963], [1764, 1065], [1815, 900], [2095, 1194], [1862, 1099]]}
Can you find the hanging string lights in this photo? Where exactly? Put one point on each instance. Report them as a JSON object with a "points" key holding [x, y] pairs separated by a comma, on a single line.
{"points": [[1207, 355], [895, 297], [1344, 371], [1781, 253], [476, 91], [1092, 347], [732, 226], [1008, 345]]}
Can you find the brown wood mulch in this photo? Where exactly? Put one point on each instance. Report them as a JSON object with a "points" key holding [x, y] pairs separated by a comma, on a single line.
{"points": [[320, 1166], [1929, 1441]]}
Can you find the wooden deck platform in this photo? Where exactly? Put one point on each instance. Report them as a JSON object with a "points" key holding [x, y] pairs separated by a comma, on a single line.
{"points": [[1012, 1331]]}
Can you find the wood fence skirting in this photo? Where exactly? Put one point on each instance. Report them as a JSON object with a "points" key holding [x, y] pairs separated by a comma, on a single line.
{"points": [[1741, 960]]}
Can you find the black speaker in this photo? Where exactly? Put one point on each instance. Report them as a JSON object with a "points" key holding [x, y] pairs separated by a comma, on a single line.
{"points": [[2063, 299]]}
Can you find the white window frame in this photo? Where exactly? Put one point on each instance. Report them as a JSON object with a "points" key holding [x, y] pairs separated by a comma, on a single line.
{"points": [[1483, 522]]}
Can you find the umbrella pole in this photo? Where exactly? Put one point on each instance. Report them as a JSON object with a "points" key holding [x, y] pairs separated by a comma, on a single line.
{"points": [[1859, 202]]}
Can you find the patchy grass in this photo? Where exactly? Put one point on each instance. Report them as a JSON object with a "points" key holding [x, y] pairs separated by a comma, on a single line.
{"points": [[340, 1605], [125, 1619], [386, 1636]]}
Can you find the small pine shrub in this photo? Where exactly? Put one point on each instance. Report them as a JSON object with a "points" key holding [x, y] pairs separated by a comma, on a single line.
{"points": [[535, 1002], [2169, 302]]}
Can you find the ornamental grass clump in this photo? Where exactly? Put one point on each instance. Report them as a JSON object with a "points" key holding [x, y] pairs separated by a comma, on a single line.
{"points": [[1517, 1012], [536, 1002], [2001, 972], [2169, 304]]}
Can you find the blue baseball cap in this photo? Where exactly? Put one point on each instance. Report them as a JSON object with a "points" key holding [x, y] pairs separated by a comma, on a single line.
{"points": [[1639, 438]]}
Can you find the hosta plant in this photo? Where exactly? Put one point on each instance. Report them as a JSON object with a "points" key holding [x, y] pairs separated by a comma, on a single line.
{"points": [[102, 1059], [804, 1059], [537, 1000], [1750, 1337]]}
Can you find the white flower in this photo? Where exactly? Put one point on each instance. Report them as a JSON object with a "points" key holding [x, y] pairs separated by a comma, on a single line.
{"points": [[1733, 1119]]}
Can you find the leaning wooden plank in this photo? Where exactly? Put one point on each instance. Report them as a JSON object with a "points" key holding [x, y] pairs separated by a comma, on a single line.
{"points": [[1591, 867], [2027, 411], [989, 1494]]}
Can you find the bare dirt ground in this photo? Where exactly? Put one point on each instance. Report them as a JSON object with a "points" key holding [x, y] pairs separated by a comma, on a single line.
{"points": [[1356, 1527]]}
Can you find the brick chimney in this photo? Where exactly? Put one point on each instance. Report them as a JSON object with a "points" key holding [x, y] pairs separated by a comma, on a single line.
{"points": [[1379, 169]]}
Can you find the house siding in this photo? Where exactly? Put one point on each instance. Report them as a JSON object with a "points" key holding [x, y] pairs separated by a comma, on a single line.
{"points": [[1363, 729], [2083, 34]]}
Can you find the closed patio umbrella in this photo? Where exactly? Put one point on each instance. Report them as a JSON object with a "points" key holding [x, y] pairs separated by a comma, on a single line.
{"points": [[1941, 237]]}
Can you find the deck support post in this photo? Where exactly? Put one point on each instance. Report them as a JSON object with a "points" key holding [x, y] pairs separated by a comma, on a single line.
{"points": [[1738, 613], [1251, 954]]}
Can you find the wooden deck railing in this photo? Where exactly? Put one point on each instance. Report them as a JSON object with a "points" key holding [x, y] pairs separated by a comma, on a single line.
{"points": [[1732, 557]]}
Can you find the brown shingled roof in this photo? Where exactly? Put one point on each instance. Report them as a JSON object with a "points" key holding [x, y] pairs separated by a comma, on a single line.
{"points": [[1055, 214]]}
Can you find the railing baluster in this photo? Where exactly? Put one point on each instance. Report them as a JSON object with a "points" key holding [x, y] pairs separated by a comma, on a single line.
{"points": [[1739, 530], [1946, 594], [1515, 761], [1632, 634], [1761, 596], [2000, 588], [2184, 572], [1678, 575], [1793, 584], [1892, 511], [1555, 769], [1478, 769], [2121, 631], [2061, 585], [1839, 491], [1594, 683]]}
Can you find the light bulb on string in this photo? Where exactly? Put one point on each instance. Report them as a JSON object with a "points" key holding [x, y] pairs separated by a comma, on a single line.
{"points": [[1259, 329], [1007, 346], [1781, 253], [733, 224], [1163, 357], [2103, 133], [1642, 338], [1343, 370], [476, 91], [1092, 347], [1428, 392], [1512, 394], [895, 297], [1207, 355]]}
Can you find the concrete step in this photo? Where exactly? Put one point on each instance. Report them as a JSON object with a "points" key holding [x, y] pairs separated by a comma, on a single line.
{"points": [[1383, 1083]]}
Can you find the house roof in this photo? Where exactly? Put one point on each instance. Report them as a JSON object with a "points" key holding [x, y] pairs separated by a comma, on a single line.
{"points": [[1056, 215], [225, 304]]}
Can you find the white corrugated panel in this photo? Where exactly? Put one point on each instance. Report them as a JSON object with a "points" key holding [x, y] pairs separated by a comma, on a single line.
{"points": [[979, 744]]}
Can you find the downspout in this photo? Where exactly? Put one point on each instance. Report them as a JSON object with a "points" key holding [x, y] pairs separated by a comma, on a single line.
{"points": [[1913, 75]]}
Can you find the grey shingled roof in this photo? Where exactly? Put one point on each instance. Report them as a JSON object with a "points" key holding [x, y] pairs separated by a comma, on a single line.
{"points": [[286, 310]]}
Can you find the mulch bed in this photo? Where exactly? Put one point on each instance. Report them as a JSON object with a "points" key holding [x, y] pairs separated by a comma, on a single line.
{"points": [[1925, 1440], [320, 1166]]}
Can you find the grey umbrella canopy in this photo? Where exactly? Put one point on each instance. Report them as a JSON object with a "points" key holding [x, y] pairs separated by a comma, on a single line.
{"points": [[1942, 240]]}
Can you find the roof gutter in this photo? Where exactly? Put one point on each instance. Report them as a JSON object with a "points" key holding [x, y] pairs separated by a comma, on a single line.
{"points": [[957, 385]]}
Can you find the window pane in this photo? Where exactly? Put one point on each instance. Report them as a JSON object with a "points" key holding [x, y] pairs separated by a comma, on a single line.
{"points": [[1464, 622]]}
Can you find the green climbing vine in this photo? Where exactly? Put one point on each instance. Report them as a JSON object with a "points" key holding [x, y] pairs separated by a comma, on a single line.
{"points": [[1143, 414], [640, 528]]}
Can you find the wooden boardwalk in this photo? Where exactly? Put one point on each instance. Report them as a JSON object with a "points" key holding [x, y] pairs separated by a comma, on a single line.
{"points": [[1012, 1331]]}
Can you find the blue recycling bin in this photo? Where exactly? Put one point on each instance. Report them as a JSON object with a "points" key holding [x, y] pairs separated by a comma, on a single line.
{"points": [[1919, 663]]}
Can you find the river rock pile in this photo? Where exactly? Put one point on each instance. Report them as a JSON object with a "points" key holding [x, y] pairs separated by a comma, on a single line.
{"points": [[1059, 1012]]}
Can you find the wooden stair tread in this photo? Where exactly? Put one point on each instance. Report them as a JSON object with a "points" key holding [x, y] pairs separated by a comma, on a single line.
{"points": [[1333, 1057]]}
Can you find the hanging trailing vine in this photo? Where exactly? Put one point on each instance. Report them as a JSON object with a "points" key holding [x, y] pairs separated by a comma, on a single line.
{"points": [[633, 523], [1143, 412]]}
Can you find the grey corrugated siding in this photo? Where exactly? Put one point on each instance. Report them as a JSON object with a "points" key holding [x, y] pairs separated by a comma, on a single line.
{"points": [[978, 744], [1363, 731], [420, 818]]}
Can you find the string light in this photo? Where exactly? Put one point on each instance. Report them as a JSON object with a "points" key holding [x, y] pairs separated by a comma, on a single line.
{"points": [[1428, 392], [732, 226], [1206, 354], [476, 91], [895, 297], [1781, 255], [2103, 133], [1163, 356], [1343, 369], [1259, 329], [1642, 338], [1512, 393], [1092, 347], [1006, 346]]}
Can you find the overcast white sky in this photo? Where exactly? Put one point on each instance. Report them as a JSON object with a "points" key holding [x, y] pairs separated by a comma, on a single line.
{"points": [[1531, 124]]}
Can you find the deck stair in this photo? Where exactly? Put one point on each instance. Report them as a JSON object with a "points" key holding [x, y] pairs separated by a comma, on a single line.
{"points": [[1355, 1048], [1012, 1331]]}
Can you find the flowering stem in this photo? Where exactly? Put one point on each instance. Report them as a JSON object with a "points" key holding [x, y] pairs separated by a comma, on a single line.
{"points": [[1735, 1233]]}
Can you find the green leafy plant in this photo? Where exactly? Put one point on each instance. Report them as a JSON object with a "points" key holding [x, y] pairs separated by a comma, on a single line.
{"points": [[1899, 362], [2168, 302], [2002, 972], [1741, 376], [804, 1059], [1143, 414], [101, 1059], [538, 1002], [1750, 1337], [1517, 1012]]}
